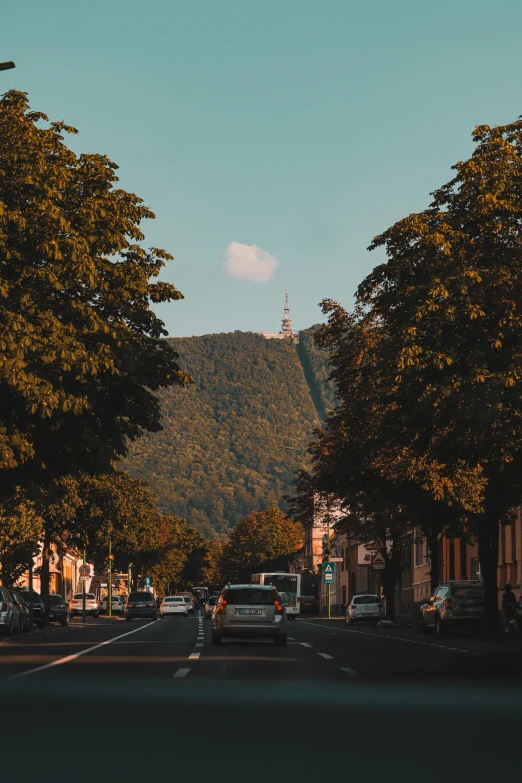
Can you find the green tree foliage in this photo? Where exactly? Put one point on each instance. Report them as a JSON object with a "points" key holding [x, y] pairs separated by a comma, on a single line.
{"points": [[81, 351], [316, 358], [262, 541], [20, 530], [222, 453]]}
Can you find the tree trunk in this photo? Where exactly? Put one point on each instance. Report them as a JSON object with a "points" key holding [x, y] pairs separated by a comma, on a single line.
{"points": [[44, 574], [488, 534], [390, 580], [433, 545]]}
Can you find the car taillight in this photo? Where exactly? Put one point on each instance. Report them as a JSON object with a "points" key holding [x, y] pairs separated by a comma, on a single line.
{"points": [[279, 608], [448, 603], [353, 608], [222, 606], [4, 606]]}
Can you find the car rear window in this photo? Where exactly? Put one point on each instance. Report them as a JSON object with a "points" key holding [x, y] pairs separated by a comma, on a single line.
{"points": [[173, 600], [365, 599], [307, 598], [467, 592], [212, 600], [55, 600], [249, 596], [135, 598], [26, 595]]}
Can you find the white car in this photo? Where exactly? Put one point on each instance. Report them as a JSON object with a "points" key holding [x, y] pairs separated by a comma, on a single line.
{"points": [[118, 604], [173, 604], [91, 604], [189, 601], [363, 607]]}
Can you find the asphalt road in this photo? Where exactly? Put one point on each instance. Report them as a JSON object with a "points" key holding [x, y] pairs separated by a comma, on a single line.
{"points": [[134, 700]]}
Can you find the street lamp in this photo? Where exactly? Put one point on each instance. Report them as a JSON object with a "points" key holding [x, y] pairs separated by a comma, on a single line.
{"points": [[7, 66]]}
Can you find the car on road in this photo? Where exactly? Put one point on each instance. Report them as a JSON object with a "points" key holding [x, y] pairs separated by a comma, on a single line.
{"points": [[141, 604], [117, 604], [209, 606], [92, 607], [309, 604], [10, 616], [58, 610], [37, 603], [249, 611], [22, 608], [455, 604], [365, 607], [189, 600], [173, 605]]}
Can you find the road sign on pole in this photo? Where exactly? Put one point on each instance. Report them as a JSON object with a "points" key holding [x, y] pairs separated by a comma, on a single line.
{"points": [[378, 561], [85, 571], [328, 571]]}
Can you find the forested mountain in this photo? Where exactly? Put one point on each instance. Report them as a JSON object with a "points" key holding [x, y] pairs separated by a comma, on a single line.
{"points": [[221, 454]]}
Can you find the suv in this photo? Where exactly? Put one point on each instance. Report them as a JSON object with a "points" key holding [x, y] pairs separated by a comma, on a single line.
{"points": [[249, 610], [141, 604], [92, 606], [458, 603]]}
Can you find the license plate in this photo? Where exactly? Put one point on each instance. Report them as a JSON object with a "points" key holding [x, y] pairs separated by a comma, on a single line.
{"points": [[250, 611], [474, 609]]}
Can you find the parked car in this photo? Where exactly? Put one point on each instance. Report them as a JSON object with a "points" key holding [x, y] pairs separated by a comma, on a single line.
{"points": [[58, 610], [172, 605], [516, 622], [456, 604], [118, 604], [10, 615], [92, 606], [140, 604], [309, 604], [37, 603], [363, 607], [209, 606], [249, 610], [22, 608]]}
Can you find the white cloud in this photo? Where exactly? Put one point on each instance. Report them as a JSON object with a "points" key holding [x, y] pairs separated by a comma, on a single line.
{"points": [[249, 262]]}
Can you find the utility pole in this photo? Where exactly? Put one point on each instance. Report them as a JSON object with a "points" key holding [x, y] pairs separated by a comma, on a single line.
{"points": [[328, 549], [109, 597], [83, 587]]}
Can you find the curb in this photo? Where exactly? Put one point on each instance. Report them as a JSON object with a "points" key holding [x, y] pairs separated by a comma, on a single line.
{"points": [[33, 634]]}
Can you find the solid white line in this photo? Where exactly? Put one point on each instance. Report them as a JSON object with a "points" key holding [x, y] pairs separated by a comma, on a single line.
{"points": [[325, 655], [351, 672], [77, 655], [194, 656], [181, 673], [305, 644]]}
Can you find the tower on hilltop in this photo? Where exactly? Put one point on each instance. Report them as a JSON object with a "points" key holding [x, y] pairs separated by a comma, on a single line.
{"points": [[286, 326]]}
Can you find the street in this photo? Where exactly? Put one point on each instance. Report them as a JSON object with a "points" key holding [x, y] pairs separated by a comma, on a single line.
{"points": [[133, 698]]}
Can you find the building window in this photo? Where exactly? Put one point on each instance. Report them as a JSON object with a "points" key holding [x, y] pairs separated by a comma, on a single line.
{"points": [[475, 568], [419, 546]]}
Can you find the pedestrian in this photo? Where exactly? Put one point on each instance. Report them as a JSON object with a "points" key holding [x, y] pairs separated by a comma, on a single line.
{"points": [[508, 605]]}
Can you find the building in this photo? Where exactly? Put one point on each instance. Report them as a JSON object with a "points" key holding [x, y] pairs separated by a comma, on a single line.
{"points": [[63, 571], [286, 332]]}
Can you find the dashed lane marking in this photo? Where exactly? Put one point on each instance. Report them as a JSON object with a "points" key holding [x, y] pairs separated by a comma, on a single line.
{"points": [[199, 644], [291, 639], [350, 672], [325, 655], [305, 644], [181, 673], [194, 656]]}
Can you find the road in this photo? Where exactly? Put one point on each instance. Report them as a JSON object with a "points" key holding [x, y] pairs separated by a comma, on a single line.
{"points": [[143, 697]]}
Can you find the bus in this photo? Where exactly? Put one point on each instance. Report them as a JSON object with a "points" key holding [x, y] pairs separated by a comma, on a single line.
{"points": [[201, 594], [287, 585]]}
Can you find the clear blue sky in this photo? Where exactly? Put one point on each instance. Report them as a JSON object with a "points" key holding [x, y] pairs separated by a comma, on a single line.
{"points": [[302, 127]]}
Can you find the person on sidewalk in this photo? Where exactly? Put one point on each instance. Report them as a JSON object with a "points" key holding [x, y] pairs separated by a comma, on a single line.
{"points": [[508, 605]]}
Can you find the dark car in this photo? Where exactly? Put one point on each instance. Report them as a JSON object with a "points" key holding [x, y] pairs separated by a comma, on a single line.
{"points": [[22, 608], [309, 604], [140, 604], [38, 607], [58, 610]]}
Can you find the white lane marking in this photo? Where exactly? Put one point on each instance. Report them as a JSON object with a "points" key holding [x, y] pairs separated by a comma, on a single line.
{"points": [[199, 644], [181, 673], [194, 656], [396, 638], [77, 655], [291, 639], [325, 655], [305, 644], [350, 672]]}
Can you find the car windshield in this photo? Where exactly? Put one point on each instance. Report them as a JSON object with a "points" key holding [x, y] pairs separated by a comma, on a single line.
{"points": [[249, 596], [307, 598], [55, 600], [136, 598], [468, 592], [365, 599]]}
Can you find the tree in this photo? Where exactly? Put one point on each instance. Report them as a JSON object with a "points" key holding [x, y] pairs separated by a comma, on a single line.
{"points": [[20, 529], [450, 300], [263, 540], [82, 351]]}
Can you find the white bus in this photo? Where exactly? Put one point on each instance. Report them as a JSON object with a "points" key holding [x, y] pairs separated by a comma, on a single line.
{"points": [[287, 585]]}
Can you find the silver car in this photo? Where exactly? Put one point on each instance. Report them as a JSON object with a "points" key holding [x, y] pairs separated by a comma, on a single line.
{"points": [[457, 603], [249, 610]]}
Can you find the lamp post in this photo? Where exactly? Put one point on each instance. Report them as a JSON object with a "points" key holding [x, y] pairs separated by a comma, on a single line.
{"points": [[109, 597], [83, 588]]}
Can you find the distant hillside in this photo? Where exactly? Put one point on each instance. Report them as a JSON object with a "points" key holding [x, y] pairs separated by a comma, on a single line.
{"points": [[222, 452]]}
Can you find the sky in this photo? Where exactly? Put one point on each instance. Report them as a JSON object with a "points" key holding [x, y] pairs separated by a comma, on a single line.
{"points": [[274, 139]]}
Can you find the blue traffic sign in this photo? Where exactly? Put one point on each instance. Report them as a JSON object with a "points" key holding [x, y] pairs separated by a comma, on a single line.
{"points": [[147, 580], [328, 571]]}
